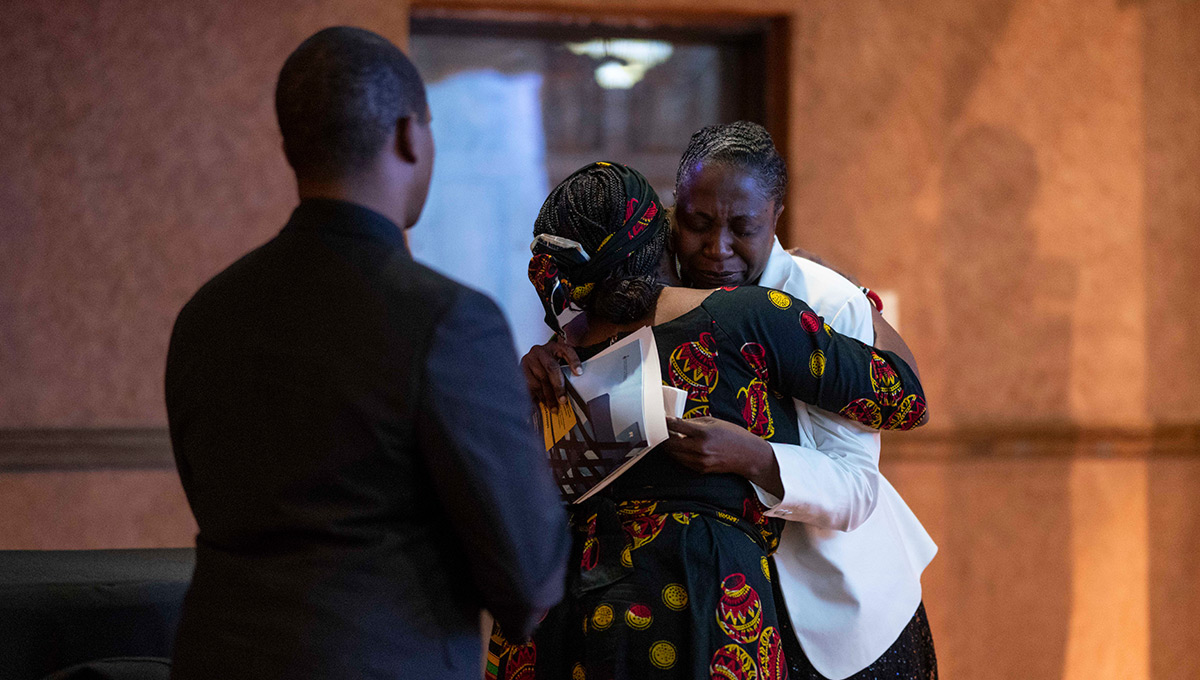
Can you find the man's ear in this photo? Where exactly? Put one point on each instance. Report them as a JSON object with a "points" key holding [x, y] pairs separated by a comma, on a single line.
{"points": [[406, 143]]}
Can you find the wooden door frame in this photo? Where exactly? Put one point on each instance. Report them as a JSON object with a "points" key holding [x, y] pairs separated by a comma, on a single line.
{"points": [[775, 28]]}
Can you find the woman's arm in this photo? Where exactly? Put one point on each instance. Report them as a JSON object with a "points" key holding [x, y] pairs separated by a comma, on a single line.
{"points": [[831, 482], [710, 445], [809, 361], [887, 339]]}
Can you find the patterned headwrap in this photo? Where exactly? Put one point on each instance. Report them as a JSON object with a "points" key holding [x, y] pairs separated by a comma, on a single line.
{"points": [[560, 269]]}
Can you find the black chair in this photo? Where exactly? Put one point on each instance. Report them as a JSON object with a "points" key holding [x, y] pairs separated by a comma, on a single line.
{"points": [[59, 608], [127, 668]]}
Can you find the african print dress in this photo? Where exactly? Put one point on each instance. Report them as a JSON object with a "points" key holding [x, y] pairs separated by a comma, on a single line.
{"points": [[670, 575]]}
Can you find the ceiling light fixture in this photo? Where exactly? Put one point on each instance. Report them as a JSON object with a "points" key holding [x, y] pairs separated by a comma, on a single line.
{"points": [[623, 62]]}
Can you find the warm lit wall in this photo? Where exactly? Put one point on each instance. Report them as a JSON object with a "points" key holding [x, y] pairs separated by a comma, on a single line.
{"points": [[1024, 173], [140, 156], [94, 509], [1061, 568]]}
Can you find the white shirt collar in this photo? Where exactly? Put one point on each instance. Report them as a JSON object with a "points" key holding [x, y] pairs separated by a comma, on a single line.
{"points": [[779, 269]]}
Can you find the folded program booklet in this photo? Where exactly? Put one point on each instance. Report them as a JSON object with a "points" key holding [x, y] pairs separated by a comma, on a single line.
{"points": [[617, 414]]}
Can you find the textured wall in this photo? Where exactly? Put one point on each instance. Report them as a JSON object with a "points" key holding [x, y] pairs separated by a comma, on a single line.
{"points": [[1021, 172], [1024, 173], [78, 510], [1079, 570], [140, 157], [993, 162]]}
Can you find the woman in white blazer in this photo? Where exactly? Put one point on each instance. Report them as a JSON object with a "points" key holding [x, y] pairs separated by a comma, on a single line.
{"points": [[850, 559], [851, 556]]}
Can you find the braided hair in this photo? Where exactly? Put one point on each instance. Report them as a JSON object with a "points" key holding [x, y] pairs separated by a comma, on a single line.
{"points": [[589, 207], [742, 144]]}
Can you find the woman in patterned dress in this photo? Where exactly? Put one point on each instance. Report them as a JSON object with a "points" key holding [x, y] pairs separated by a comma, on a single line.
{"points": [[670, 575]]}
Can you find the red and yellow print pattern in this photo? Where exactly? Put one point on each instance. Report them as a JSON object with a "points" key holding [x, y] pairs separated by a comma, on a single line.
{"points": [[771, 665], [602, 617], [643, 529], [675, 596], [692, 367], [739, 611], [522, 662], [542, 271], [756, 411], [885, 382], [641, 522], [731, 662], [662, 654], [863, 411], [639, 616], [910, 413], [591, 547], [816, 363], [810, 322]]}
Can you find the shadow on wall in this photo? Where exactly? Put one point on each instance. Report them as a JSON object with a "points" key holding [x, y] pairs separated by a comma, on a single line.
{"points": [[1172, 204], [1007, 307], [1005, 542]]}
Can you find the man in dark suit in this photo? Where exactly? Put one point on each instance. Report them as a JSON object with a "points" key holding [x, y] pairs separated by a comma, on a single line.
{"points": [[350, 427]]}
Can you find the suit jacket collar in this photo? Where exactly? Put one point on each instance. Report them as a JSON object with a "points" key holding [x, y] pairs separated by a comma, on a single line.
{"points": [[330, 215]]}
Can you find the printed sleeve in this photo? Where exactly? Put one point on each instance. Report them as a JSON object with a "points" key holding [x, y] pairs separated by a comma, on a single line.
{"points": [[809, 361]]}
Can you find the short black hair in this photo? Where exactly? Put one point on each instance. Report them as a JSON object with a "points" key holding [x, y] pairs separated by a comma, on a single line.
{"points": [[339, 96], [743, 144]]}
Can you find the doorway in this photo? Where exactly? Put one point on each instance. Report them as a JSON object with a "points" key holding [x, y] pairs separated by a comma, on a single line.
{"points": [[519, 105]]}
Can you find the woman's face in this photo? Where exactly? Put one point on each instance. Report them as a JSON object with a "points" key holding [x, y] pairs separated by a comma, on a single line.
{"points": [[724, 226]]}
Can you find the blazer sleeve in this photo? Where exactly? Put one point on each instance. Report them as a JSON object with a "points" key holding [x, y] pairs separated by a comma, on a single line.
{"points": [[475, 431], [834, 483]]}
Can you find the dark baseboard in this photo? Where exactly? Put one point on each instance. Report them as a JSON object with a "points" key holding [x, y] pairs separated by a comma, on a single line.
{"points": [[38, 449], [1043, 441], [84, 448]]}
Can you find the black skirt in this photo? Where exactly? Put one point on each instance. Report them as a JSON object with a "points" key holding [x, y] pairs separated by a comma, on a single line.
{"points": [[911, 656]]}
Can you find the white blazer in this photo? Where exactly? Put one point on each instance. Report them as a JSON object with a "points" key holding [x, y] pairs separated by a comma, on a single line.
{"points": [[851, 556]]}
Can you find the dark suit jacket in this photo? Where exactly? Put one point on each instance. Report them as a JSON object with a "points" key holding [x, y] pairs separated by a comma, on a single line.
{"points": [[355, 441]]}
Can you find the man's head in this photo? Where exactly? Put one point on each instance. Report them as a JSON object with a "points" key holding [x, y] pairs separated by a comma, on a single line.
{"points": [[352, 109], [729, 193]]}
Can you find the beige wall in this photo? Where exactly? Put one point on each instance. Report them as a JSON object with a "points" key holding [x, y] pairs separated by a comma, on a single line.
{"points": [[1023, 173], [140, 157]]}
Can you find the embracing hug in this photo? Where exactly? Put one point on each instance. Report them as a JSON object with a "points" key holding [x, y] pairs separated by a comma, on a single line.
{"points": [[354, 434]]}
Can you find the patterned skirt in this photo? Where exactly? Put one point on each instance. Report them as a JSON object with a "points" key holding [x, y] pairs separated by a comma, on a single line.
{"points": [[659, 589]]}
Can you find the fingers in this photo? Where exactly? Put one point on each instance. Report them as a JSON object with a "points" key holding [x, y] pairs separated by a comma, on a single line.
{"points": [[687, 428], [567, 353], [682, 450], [699, 427], [555, 386], [687, 444], [534, 375], [543, 377], [677, 443], [693, 459]]}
